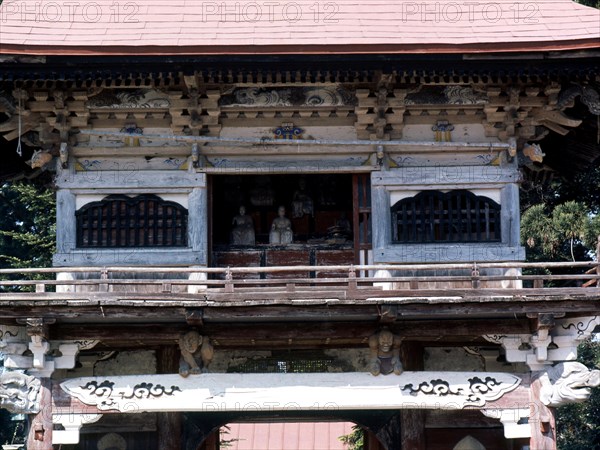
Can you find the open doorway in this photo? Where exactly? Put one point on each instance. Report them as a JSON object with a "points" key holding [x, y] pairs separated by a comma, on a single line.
{"points": [[288, 436], [328, 217]]}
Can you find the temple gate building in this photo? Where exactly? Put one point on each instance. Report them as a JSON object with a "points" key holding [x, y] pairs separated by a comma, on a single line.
{"points": [[302, 211]]}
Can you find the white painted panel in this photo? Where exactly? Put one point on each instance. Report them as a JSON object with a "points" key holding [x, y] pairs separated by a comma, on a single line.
{"points": [[84, 199], [291, 391], [339, 132], [473, 132]]}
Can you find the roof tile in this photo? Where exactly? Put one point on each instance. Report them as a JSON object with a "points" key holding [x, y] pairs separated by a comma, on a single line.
{"points": [[30, 26]]}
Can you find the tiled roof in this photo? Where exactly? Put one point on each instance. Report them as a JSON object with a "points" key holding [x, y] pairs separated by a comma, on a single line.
{"points": [[287, 435], [299, 26]]}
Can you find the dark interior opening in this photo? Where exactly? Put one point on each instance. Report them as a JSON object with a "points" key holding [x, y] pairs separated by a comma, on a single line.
{"points": [[315, 204]]}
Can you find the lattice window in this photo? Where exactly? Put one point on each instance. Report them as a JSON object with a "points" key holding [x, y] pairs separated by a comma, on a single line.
{"points": [[289, 364], [455, 216], [141, 221]]}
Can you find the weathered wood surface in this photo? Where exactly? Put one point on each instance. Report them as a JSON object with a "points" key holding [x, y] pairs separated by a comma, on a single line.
{"points": [[224, 334], [293, 297], [541, 420], [40, 429], [412, 422], [160, 309], [169, 424]]}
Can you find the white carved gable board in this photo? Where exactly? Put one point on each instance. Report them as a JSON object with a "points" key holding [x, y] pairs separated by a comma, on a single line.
{"points": [[277, 392]]}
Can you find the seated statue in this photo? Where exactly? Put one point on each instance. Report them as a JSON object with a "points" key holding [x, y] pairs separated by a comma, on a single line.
{"points": [[196, 353], [384, 349], [243, 229], [281, 230], [301, 202]]}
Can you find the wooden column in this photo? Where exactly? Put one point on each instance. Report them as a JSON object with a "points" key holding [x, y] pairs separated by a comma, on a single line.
{"points": [[211, 442], [201, 430], [169, 424], [412, 420], [381, 218], [40, 425], [541, 420]]}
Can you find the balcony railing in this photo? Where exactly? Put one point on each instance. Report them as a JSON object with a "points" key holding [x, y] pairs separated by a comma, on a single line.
{"points": [[520, 280]]}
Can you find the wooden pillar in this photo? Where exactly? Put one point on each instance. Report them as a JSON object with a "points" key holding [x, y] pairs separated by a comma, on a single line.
{"points": [[201, 430], [390, 435], [40, 425], [371, 442], [412, 426], [169, 424], [212, 441], [541, 420]]}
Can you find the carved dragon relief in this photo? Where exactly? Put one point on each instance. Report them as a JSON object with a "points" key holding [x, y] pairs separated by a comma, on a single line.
{"points": [[589, 97], [567, 382], [282, 97], [127, 98], [449, 95], [19, 393]]}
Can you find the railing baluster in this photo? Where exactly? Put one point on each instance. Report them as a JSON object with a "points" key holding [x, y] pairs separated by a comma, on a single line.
{"points": [[352, 284], [475, 277], [103, 287], [228, 281]]}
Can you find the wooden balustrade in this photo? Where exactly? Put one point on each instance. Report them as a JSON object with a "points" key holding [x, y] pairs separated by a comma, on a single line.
{"points": [[406, 280]]}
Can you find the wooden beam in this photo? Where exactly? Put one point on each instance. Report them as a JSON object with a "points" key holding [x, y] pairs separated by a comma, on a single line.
{"points": [[412, 428], [169, 423], [40, 428], [541, 420], [228, 335]]}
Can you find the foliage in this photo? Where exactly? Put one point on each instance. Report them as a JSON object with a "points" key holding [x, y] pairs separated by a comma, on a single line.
{"points": [[578, 426], [27, 239], [354, 440], [592, 3], [224, 442], [567, 231], [11, 432], [27, 225]]}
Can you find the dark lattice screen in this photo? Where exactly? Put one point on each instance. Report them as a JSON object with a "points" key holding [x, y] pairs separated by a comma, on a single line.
{"points": [[455, 216], [142, 221], [284, 365]]}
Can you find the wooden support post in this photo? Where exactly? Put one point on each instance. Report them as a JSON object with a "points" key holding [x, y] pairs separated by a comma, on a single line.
{"points": [[201, 431], [40, 425], [541, 420], [371, 442], [412, 421], [211, 442], [169, 423]]}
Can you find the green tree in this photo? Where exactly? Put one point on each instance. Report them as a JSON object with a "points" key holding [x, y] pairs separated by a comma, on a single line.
{"points": [[567, 231], [27, 224], [27, 239], [592, 3], [355, 440], [578, 426]]}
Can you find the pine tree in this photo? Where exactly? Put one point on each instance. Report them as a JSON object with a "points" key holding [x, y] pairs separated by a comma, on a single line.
{"points": [[27, 239]]}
